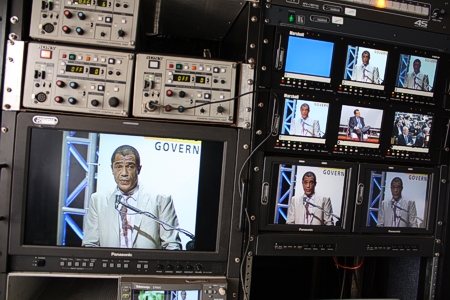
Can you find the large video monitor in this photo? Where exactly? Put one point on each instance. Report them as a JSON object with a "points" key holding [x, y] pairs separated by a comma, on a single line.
{"points": [[365, 67], [106, 188], [416, 75], [396, 199], [306, 195]]}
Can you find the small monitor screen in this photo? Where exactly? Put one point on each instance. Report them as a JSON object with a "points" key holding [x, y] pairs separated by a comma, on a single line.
{"points": [[306, 195], [411, 132], [416, 75], [398, 199], [365, 67], [121, 191], [309, 59], [304, 121], [360, 126]]}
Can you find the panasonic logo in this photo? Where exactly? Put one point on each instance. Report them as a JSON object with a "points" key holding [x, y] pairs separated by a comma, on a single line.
{"points": [[121, 254], [394, 231], [305, 229], [45, 120]]}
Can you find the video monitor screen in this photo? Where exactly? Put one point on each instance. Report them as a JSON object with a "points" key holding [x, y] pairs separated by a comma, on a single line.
{"points": [[91, 189], [360, 126], [165, 295], [398, 199], [365, 67], [310, 194], [309, 59], [411, 132], [304, 120], [416, 75]]}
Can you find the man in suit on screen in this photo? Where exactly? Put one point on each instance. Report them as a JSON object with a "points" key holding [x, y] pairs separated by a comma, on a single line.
{"points": [[110, 224], [366, 72], [417, 80], [358, 128], [405, 139], [310, 208], [397, 211], [303, 125]]}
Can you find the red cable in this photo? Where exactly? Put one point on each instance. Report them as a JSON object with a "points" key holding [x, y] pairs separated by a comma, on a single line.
{"points": [[348, 268]]}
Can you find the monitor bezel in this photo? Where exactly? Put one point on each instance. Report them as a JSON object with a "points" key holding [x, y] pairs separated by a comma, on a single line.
{"points": [[25, 122], [267, 210], [359, 84], [362, 205], [302, 98]]}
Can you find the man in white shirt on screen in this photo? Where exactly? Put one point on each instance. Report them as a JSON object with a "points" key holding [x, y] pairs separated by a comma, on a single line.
{"points": [[109, 223], [310, 208], [303, 125], [397, 211], [417, 80], [366, 72]]}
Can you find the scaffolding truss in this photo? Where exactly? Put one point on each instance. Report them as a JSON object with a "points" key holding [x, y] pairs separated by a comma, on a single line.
{"points": [[285, 190], [288, 115], [403, 70], [352, 56], [377, 188], [88, 162]]}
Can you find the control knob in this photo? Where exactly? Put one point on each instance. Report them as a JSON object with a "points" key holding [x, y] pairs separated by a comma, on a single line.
{"points": [[220, 109], [222, 291], [438, 12], [80, 31], [73, 85], [198, 267], [72, 100], [66, 29], [60, 83], [59, 99], [121, 33], [68, 14], [81, 15], [169, 93], [113, 102], [181, 94], [95, 102]]}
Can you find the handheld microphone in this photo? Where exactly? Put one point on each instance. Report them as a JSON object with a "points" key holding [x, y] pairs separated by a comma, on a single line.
{"points": [[117, 201], [306, 123]]}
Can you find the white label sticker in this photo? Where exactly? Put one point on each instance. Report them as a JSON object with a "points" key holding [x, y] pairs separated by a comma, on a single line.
{"points": [[350, 11], [337, 20]]}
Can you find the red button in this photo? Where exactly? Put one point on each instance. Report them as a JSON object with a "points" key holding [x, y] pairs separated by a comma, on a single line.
{"points": [[170, 65]]}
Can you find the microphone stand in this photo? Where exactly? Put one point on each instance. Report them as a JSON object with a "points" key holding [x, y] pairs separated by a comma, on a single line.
{"points": [[317, 206], [402, 209], [153, 217]]}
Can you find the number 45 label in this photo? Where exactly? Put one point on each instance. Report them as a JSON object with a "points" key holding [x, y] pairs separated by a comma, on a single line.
{"points": [[421, 23]]}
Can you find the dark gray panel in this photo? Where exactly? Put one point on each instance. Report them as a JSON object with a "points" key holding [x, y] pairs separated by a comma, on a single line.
{"points": [[6, 156], [204, 19]]}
